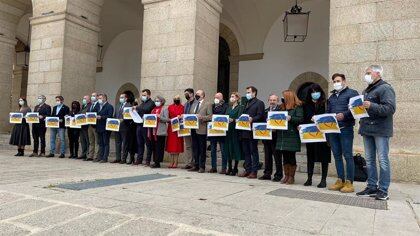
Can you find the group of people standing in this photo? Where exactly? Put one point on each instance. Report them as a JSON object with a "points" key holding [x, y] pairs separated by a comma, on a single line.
{"points": [[135, 144]]}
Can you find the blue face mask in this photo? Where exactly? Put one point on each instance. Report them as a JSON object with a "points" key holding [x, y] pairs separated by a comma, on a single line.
{"points": [[316, 95], [248, 96]]}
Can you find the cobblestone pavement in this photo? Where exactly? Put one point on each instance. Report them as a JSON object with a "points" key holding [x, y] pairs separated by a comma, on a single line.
{"points": [[177, 202]]}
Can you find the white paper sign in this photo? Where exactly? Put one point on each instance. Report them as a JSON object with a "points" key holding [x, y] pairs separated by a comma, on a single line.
{"points": [[135, 116]]}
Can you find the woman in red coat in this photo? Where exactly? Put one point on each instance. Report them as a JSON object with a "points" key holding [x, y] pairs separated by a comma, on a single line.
{"points": [[174, 144]]}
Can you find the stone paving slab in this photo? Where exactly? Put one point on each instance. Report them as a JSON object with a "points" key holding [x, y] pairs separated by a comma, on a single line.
{"points": [[7, 229], [13, 209]]}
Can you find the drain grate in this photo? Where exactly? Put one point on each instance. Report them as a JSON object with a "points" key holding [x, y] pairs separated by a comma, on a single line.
{"points": [[110, 182], [331, 198]]}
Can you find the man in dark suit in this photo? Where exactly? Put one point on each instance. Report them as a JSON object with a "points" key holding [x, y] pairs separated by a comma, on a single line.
{"points": [[219, 108], [255, 109], [188, 154], [105, 111], [39, 129], [146, 106], [270, 146], [92, 135], [60, 110], [121, 137], [84, 132]]}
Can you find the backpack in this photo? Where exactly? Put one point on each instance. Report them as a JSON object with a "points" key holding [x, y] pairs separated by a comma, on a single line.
{"points": [[360, 170]]}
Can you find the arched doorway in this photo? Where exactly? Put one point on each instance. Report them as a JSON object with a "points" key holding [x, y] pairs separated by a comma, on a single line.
{"points": [[302, 92], [223, 77], [303, 81], [129, 89], [228, 52]]}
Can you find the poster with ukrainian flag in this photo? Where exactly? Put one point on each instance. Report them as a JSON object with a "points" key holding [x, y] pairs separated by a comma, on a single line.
{"points": [[150, 120], [220, 122], [15, 117], [183, 132], [67, 121], [261, 131], [52, 122], [175, 124], [277, 120], [356, 107], [243, 123], [73, 123], [309, 133], [211, 132], [80, 119], [327, 123], [91, 118], [191, 121], [32, 117], [112, 124], [126, 113]]}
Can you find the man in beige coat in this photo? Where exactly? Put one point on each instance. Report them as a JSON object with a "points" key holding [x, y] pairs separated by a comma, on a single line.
{"points": [[203, 109]]}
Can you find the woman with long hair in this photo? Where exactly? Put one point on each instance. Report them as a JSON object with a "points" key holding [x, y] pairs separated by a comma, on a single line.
{"points": [[288, 141], [21, 135], [74, 133]]}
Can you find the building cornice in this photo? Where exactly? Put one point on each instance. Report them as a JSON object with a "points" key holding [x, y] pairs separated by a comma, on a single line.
{"points": [[38, 20]]}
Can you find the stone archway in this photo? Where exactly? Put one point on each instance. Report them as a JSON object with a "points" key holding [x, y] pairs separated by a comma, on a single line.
{"points": [[127, 87], [227, 34], [309, 77]]}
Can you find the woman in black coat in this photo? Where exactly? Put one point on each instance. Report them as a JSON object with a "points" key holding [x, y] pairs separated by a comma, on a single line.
{"points": [[74, 133], [316, 152], [21, 135]]}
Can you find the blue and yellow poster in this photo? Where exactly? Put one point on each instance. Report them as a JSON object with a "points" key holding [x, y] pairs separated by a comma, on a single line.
{"points": [[91, 118], [310, 133], [220, 122], [112, 124], [327, 123], [277, 120], [15, 118], [190, 121], [356, 107], [260, 131], [52, 122], [150, 120], [211, 132], [175, 124], [32, 117], [242, 123], [126, 113], [80, 119], [183, 132]]}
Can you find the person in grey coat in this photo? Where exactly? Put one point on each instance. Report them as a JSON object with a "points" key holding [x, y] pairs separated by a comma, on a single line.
{"points": [[376, 130], [158, 135]]}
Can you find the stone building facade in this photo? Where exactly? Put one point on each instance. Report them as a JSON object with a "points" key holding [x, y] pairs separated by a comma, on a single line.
{"points": [[178, 46]]}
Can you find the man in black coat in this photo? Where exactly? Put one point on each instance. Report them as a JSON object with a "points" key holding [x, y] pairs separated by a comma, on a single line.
{"points": [[270, 146], [39, 129], [122, 137], [105, 111], [255, 109], [60, 110], [219, 108], [146, 106], [93, 106]]}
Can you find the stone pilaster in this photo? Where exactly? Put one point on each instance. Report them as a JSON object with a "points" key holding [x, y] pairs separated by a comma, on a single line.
{"points": [[385, 32], [180, 46]]}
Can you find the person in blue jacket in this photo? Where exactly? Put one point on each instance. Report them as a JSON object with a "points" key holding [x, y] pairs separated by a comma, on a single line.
{"points": [[105, 111]]}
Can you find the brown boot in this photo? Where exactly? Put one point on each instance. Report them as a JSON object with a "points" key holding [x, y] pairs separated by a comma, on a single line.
{"points": [[286, 173], [292, 171]]}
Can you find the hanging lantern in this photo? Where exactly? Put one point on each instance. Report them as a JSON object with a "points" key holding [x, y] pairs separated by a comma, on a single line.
{"points": [[295, 23]]}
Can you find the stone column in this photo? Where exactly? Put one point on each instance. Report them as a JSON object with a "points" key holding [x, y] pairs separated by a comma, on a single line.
{"points": [[63, 49], [180, 46], [19, 85], [387, 33]]}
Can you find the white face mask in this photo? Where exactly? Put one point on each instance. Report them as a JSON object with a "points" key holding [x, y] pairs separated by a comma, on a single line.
{"points": [[158, 104], [338, 86], [122, 100], [144, 98], [40, 100], [93, 99], [368, 79], [216, 101], [232, 100], [21, 102], [58, 103], [100, 101]]}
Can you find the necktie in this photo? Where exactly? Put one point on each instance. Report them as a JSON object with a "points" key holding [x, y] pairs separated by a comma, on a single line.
{"points": [[197, 107]]}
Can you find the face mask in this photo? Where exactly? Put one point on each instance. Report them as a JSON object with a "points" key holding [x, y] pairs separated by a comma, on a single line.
{"points": [[158, 104], [122, 100], [144, 98], [197, 97], [177, 101], [84, 102], [338, 86], [232, 100], [368, 79], [40, 101], [93, 99], [216, 101], [187, 96], [316, 95], [248, 96], [100, 101], [74, 106], [21, 102], [58, 103]]}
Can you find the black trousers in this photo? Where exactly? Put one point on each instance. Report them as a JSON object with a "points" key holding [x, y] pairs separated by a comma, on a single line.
{"points": [[250, 150], [38, 133], [84, 141], [141, 141], [121, 144], [289, 158], [199, 148], [324, 169], [269, 152], [158, 148], [73, 140]]}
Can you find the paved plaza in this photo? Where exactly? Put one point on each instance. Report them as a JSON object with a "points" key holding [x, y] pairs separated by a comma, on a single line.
{"points": [[42, 196]]}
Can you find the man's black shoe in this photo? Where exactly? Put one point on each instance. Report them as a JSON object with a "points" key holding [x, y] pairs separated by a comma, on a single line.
{"points": [[382, 196], [368, 192]]}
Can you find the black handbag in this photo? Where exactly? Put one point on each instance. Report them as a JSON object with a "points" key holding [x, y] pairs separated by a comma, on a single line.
{"points": [[360, 170]]}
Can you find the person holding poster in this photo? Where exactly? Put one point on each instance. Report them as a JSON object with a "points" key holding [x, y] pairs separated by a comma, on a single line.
{"points": [[122, 142], [84, 131], [288, 141], [342, 143], [219, 107], [74, 133], [158, 134], [39, 129], [255, 109], [174, 144], [232, 147], [60, 110], [270, 146], [376, 131], [316, 152], [92, 135], [189, 104], [105, 111], [204, 110], [146, 106], [21, 135]]}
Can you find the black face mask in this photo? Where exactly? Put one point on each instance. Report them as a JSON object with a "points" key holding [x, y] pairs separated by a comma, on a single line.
{"points": [[187, 96], [177, 101], [74, 107], [197, 97]]}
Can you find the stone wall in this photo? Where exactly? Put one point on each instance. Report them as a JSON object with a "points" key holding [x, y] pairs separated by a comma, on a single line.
{"points": [[385, 32]]}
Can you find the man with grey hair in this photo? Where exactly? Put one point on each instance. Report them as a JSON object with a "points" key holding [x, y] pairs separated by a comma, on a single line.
{"points": [[39, 129], [376, 130]]}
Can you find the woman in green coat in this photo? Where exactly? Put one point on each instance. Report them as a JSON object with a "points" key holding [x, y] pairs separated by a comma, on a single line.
{"points": [[232, 146], [288, 141]]}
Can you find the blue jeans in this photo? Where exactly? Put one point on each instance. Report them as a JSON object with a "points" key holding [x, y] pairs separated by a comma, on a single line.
{"points": [[379, 145], [213, 144], [252, 159], [53, 133], [342, 145], [103, 143]]}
